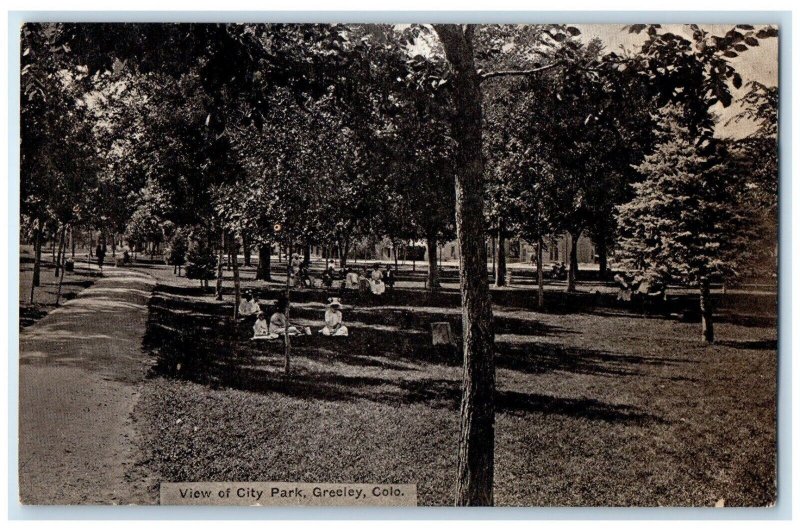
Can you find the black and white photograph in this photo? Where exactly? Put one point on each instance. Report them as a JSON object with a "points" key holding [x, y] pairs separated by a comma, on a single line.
{"points": [[381, 264]]}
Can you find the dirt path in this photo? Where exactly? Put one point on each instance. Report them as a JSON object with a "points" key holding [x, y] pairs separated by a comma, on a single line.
{"points": [[81, 368]]}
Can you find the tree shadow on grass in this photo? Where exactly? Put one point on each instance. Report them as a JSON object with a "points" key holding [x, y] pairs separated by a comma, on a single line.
{"points": [[748, 321], [758, 344], [537, 358], [194, 341], [30, 314]]}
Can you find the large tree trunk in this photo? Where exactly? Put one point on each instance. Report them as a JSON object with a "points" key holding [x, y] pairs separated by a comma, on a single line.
{"points": [[264, 257], [37, 257], [476, 444], [494, 255], [602, 257], [62, 249], [246, 250], [573, 262], [220, 271], [540, 273], [60, 253], [500, 274], [287, 342], [345, 248], [433, 264], [236, 281], [307, 254], [706, 310]]}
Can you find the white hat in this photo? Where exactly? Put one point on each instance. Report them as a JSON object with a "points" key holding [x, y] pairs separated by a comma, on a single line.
{"points": [[334, 302]]}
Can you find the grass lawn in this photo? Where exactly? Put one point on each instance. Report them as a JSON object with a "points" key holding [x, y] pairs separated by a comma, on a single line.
{"points": [[598, 406]]}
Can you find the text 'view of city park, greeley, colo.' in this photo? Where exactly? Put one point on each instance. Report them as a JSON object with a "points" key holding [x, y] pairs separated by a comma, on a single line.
{"points": [[398, 264]]}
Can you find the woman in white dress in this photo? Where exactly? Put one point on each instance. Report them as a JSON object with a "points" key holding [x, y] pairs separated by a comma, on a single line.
{"points": [[351, 279], [248, 306], [376, 285], [261, 328], [334, 325], [280, 326]]}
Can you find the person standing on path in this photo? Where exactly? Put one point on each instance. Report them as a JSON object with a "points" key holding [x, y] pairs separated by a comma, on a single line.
{"points": [[101, 255]]}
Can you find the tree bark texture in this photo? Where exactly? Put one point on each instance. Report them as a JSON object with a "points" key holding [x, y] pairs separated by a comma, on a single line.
{"points": [[236, 281], [37, 258], [220, 262], [264, 257], [573, 262], [500, 275], [433, 264], [476, 442], [540, 274]]}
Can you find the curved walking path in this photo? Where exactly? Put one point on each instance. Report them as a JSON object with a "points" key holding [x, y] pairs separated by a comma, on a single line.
{"points": [[80, 371]]}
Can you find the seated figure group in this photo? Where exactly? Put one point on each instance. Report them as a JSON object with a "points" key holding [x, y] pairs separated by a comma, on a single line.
{"points": [[375, 281], [278, 325]]}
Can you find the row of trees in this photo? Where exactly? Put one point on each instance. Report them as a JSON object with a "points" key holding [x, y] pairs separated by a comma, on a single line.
{"points": [[218, 137]]}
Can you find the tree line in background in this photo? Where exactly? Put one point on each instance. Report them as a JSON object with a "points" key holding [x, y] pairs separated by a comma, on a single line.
{"points": [[209, 139]]}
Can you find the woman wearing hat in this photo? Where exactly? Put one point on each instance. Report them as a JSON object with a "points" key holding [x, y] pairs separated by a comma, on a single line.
{"points": [[333, 319], [248, 306]]}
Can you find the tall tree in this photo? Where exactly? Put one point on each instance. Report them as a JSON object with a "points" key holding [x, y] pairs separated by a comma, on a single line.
{"points": [[756, 159], [476, 446], [58, 159], [684, 222]]}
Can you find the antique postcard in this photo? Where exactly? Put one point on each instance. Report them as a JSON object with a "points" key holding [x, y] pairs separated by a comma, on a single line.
{"points": [[528, 265]]}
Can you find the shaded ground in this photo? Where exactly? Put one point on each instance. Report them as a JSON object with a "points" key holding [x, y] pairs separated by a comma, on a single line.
{"points": [[45, 295], [81, 370], [598, 407]]}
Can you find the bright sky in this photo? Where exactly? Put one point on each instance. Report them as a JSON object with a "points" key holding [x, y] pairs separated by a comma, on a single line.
{"points": [[756, 64]]}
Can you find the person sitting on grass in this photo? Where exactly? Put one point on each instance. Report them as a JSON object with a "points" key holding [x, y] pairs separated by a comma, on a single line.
{"points": [[376, 274], [333, 319], [388, 277], [261, 328], [327, 277], [278, 323], [248, 306], [305, 276], [376, 285], [351, 279], [626, 285], [363, 281]]}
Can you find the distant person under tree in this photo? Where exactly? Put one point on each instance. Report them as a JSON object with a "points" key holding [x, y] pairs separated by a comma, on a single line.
{"points": [[100, 252]]}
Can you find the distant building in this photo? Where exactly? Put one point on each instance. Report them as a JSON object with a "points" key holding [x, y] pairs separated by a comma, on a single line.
{"points": [[517, 251]]}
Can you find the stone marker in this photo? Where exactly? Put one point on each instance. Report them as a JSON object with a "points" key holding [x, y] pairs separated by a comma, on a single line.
{"points": [[441, 334]]}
